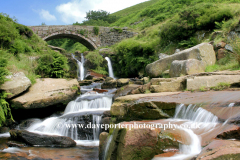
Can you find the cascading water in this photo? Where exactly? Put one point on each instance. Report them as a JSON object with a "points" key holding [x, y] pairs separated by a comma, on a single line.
{"points": [[110, 70], [80, 121], [80, 70], [190, 116]]}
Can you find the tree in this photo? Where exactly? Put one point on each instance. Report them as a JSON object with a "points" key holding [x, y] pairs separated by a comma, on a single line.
{"points": [[100, 15], [97, 15]]}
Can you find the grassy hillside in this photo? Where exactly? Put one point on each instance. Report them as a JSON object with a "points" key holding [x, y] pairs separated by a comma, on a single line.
{"points": [[135, 8], [23, 51]]}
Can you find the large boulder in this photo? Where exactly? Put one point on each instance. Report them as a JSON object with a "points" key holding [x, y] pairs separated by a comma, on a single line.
{"points": [[46, 92], [33, 139], [186, 67], [17, 84], [203, 52], [194, 83]]}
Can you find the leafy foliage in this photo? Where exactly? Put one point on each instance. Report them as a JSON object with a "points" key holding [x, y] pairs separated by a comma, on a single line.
{"points": [[68, 44], [52, 65], [96, 30], [5, 111], [98, 63], [132, 57], [3, 70]]}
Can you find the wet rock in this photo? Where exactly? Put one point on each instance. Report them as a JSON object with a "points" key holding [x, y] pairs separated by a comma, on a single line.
{"points": [[46, 92], [42, 140], [186, 67], [85, 82], [232, 132], [106, 121], [140, 143], [126, 90], [100, 90], [109, 84], [195, 83], [220, 149], [203, 52], [17, 84], [132, 107], [4, 129], [122, 82], [16, 144], [99, 79], [106, 114], [102, 144]]}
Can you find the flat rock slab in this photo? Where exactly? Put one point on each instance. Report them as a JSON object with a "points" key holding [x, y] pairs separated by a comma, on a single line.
{"points": [[46, 92], [221, 149], [186, 97]]}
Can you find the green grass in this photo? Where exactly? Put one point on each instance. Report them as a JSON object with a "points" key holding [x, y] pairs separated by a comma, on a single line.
{"points": [[134, 8], [229, 66], [221, 86]]}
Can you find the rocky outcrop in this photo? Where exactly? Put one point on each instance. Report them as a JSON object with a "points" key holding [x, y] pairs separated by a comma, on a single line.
{"points": [[17, 84], [186, 67], [33, 139], [141, 143], [194, 83], [115, 83], [220, 149], [134, 107], [162, 105], [46, 92], [203, 52]]}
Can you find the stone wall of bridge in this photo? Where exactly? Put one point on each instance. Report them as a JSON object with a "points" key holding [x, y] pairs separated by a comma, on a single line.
{"points": [[84, 34]]}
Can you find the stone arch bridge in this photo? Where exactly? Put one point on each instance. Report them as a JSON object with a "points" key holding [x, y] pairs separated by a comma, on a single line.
{"points": [[84, 34]]}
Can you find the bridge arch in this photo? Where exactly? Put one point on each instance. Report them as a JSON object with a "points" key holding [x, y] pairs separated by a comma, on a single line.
{"points": [[77, 37]]}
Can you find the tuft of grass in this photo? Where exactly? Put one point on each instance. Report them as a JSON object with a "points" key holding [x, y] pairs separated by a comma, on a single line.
{"points": [[203, 89], [221, 86]]}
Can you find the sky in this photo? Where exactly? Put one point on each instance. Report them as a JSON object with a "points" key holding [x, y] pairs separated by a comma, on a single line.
{"points": [[59, 12]]}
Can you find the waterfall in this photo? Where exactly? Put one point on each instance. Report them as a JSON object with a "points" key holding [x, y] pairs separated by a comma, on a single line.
{"points": [[110, 70], [80, 71], [80, 121], [191, 115]]}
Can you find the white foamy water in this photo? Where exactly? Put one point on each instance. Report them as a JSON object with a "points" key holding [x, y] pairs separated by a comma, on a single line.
{"points": [[110, 70], [80, 70], [90, 106], [190, 115]]}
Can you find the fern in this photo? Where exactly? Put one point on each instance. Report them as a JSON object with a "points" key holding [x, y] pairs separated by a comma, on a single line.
{"points": [[5, 111]]}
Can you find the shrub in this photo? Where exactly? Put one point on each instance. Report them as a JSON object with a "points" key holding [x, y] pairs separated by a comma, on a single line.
{"points": [[3, 70], [132, 57], [5, 112], [96, 30], [98, 63], [52, 65]]}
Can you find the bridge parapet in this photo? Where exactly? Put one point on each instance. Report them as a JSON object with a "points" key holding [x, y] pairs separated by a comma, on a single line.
{"points": [[84, 34]]}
